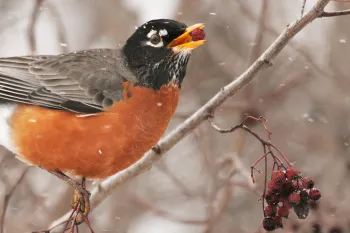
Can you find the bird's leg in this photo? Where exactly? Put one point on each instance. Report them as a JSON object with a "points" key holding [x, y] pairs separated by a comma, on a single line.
{"points": [[77, 195], [81, 195]]}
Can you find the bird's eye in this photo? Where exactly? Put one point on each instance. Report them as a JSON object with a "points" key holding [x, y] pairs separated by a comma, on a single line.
{"points": [[155, 39]]}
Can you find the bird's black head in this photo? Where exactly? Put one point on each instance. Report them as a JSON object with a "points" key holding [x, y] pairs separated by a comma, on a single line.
{"points": [[159, 50]]}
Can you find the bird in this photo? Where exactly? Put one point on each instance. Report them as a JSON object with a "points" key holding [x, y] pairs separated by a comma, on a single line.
{"points": [[95, 112]]}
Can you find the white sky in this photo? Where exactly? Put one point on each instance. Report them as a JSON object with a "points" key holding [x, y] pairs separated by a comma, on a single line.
{"points": [[153, 9]]}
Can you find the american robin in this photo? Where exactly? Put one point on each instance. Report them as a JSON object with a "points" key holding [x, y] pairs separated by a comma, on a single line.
{"points": [[93, 113]]}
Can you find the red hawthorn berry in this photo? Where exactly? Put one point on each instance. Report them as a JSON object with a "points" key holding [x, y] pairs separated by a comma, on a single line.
{"points": [[273, 187], [294, 198], [270, 210], [286, 203], [292, 173], [278, 222], [271, 198], [304, 195], [278, 176], [287, 188], [198, 34], [308, 182], [314, 194], [269, 224], [297, 186], [268, 196], [283, 211]]}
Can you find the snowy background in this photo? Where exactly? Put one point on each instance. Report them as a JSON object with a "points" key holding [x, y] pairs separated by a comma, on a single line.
{"points": [[305, 96]]}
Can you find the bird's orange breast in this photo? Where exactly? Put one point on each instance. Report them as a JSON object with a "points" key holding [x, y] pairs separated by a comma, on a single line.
{"points": [[95, 146]]}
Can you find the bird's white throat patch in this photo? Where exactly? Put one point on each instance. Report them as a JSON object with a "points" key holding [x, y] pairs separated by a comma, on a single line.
{"points": [[181, 59]]}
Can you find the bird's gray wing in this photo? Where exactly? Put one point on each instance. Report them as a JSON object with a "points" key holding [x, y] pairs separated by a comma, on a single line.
{"points": [[85, 82]]}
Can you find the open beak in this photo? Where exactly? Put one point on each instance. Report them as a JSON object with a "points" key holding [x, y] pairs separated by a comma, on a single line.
{"points": [[184, 41]]}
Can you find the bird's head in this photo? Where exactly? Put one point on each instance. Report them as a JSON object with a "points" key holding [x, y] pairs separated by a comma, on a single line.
{"points": [[159, 50]]}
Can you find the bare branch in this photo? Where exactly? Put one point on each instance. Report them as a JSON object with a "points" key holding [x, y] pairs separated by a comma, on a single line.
{"points": [[104, 188]]}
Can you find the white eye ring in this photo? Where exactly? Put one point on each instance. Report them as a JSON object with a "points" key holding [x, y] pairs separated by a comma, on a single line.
{"points": [[160, 44], [155, 40]]}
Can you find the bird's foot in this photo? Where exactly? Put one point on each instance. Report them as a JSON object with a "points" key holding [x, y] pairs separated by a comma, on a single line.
{"points": [[71, 224], [81, 204], [81, 207]]}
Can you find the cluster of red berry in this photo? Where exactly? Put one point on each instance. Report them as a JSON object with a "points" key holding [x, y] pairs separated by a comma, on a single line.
{"points": [[287, 189]]}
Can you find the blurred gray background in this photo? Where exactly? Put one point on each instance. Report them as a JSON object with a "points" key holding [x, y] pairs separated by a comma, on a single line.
{"points": [[304, 95]]}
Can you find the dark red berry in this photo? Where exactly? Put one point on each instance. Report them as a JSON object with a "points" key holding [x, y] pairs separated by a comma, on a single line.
{"points": [[278, 176], [287, 188], [302, 210], [292, 173], [308, 182], [271, 198], [297, 185], [314, 194], [270, 210], [304, 195], [278, 222], [283, 211], [272, 186], [198, 34], [268, 196], [294, 198], [269, 224], [285, 202]]}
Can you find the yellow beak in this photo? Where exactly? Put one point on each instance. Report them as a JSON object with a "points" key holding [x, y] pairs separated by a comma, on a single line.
{"points": [[184, 41]]}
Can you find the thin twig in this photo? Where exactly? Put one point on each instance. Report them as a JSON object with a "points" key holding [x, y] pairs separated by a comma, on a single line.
{"points": [[334, 13], [8, 198], [265, 182], [104, 188], [32, 26], [303, 8], [86, 220], [264, 143]]}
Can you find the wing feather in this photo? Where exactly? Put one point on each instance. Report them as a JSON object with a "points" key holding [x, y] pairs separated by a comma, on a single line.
{"points": [[85, 82]]}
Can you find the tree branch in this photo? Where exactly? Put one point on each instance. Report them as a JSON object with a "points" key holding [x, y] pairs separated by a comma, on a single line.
{"points": [[335, 13], [104, 188]]}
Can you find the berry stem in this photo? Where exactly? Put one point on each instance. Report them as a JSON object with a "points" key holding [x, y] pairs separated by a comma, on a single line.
{"points": [[255, 163], [280, 152], [265, 181]]}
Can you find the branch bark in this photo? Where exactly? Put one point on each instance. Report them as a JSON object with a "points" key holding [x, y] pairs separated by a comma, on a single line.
{"points": [[104, 188]]}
